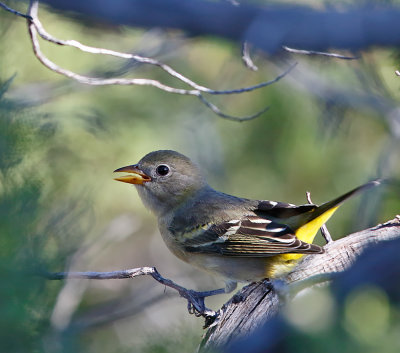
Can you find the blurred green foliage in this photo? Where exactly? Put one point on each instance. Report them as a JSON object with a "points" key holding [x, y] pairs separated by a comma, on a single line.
{"points": [[60, 142], [366, 322], [25, 299]]}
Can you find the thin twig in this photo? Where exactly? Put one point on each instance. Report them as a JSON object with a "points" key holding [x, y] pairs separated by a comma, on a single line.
{"points": [[195, 299], [217, 111], [15, 12], [260, 85], [321, 53], [324, 230]]}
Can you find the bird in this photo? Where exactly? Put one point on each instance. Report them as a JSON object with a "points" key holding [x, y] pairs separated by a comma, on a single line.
{"points": [[238, 239]]}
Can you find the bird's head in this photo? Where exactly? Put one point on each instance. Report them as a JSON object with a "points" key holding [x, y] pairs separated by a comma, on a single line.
{"points": [[164, 179]]}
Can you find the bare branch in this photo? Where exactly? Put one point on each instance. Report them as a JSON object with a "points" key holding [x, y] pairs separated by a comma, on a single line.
{"points": [[15, 12], [320, 53], [86, 79], [93, 50], [324, 229], [36, 27], [195, 299], [146, 60]]}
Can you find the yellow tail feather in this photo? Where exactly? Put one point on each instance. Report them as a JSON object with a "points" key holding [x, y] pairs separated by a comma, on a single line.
{"points": [[308, 231]]}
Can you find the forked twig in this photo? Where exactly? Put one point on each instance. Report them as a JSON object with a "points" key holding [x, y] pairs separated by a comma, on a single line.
{"points": [[195, 299]]}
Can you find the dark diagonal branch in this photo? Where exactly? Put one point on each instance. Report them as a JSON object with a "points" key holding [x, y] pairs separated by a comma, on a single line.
{"points": [[14, 12]]}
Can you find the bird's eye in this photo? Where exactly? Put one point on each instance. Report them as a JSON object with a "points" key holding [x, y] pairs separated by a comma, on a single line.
{"points": [[162, 170]]}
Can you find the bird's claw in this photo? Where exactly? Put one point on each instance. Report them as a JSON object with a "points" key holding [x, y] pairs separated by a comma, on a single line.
{"points": [[196, 306]]}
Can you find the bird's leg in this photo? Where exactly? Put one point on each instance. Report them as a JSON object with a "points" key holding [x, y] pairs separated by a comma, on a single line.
{"points": [[196, 303], [197, 306]]}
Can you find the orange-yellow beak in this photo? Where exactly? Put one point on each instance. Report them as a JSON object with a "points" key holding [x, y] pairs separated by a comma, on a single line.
{"points": [[136, 177]]}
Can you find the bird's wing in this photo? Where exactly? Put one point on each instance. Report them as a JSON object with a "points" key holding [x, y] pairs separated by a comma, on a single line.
{"points": [[282, 210], [251, 236], [269, 229]]}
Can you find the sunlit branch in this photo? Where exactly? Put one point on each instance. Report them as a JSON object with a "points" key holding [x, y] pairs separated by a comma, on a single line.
{"points": [[36, 28], [146, 60]]}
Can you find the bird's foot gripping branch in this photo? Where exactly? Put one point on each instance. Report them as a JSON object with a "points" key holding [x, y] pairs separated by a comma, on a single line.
{"points": [[195, 300]]}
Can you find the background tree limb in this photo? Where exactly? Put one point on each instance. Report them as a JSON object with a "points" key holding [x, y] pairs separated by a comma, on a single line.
{"points": [[268, 28]]}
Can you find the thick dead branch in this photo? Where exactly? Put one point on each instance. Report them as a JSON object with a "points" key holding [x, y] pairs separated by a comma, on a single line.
{"points": [[257, 303], [271, 28]]}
